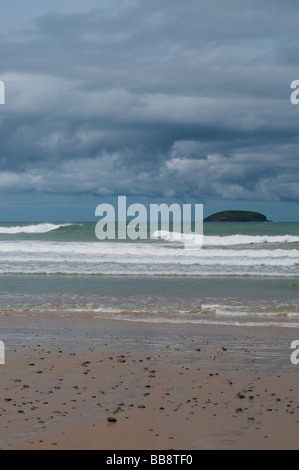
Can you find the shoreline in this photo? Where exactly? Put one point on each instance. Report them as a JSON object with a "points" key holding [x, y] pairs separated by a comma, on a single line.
{"points": [[169, 386]]}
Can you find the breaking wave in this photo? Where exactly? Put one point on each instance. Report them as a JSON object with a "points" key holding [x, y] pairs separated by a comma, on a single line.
{"points": [[38, 228]]}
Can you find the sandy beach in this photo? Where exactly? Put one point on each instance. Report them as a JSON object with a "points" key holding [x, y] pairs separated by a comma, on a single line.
{"points": [[85, 383]]}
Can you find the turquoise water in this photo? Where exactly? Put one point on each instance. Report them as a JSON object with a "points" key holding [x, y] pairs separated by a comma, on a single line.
{"points": [[245, 273]]}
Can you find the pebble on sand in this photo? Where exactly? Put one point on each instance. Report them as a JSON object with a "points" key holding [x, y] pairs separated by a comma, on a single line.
{"points": [[111, 420]]}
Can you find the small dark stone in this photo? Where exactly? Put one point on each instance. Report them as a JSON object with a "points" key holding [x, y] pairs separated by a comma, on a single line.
{"points": [[111, 420]]}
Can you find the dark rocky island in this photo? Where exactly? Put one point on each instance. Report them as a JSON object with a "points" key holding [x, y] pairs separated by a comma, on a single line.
{"points": [[237, 216]]}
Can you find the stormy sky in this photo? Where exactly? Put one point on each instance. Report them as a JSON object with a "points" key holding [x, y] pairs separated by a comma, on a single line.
{"points": [[165, 100]]}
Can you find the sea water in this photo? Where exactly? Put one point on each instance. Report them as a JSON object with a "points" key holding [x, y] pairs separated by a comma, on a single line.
{"points": [[245, 274]]}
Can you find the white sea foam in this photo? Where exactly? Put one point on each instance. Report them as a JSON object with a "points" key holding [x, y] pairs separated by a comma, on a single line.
{"points": [[142, 252], [186, 238], [143, 259], [38, 228], [230, 255], [228, 240], [234, 240]]}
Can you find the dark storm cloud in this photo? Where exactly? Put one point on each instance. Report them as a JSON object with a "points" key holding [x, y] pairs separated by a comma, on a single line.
{"points": [[150, 98]]}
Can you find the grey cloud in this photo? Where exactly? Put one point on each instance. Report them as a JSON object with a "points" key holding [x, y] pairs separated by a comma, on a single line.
{"points": [[153, 97], [216, 176]]}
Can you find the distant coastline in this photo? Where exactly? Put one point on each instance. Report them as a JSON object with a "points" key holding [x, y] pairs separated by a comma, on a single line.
{"points": [[237, 216]]}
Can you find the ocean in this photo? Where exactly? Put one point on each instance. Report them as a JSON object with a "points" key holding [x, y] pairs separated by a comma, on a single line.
{"points": [[245, 274]]}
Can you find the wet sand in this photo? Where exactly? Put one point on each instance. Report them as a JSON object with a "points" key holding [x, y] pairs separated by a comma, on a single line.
{"points": [[113, 385]]}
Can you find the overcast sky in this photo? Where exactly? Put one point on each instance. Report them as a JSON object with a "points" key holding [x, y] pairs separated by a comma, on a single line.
{"points": [[171, 100]]}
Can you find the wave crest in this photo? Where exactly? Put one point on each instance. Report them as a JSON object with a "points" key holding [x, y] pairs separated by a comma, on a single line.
{"points": [[38, 228], [228, 240]]}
